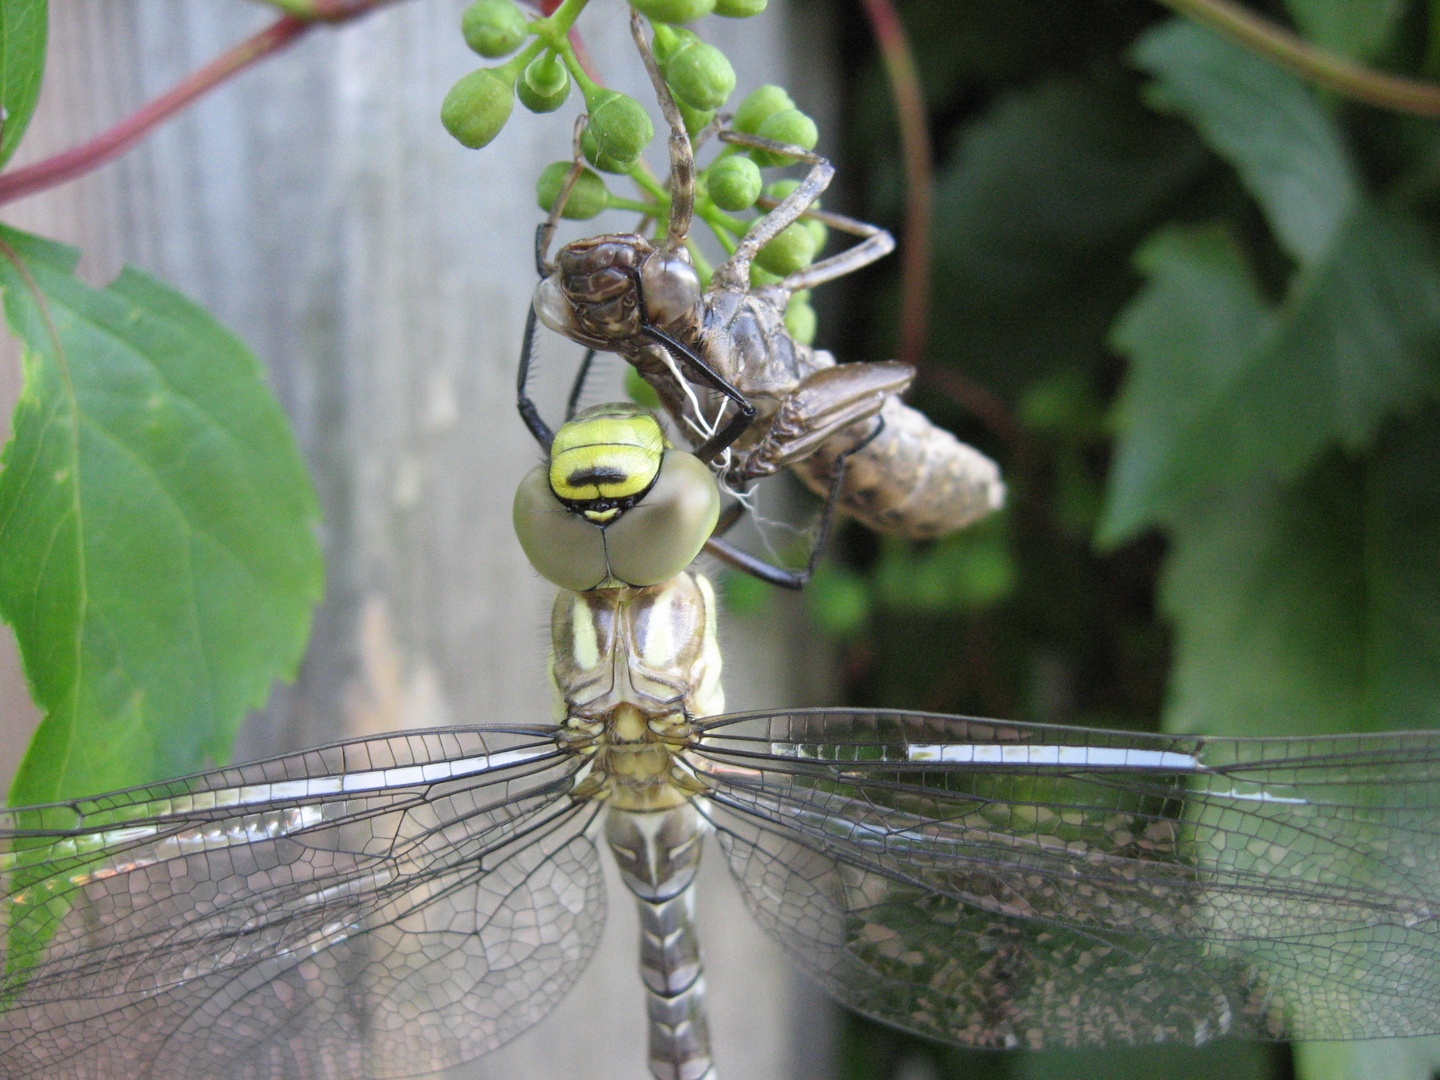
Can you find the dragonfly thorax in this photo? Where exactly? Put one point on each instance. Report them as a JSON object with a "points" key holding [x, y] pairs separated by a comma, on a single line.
{"points": [[633, 669], [607, 290]]}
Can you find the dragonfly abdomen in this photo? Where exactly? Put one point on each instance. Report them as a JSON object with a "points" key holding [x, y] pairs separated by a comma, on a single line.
{"points": [[658, 853]]}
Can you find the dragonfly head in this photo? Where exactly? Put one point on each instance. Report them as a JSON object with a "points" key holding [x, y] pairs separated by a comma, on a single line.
{"points": [[606, 460], [594, 296], [615, 505]]}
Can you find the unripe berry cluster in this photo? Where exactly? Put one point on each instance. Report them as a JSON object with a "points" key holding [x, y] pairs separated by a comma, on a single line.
{"points": [[618, 129]]}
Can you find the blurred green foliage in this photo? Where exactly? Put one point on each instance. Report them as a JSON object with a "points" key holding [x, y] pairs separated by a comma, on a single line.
{"points": [[1192, 305]]}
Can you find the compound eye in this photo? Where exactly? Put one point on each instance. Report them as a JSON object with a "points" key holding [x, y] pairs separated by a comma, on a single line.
{"points": [[661, 535], [671, 287], [554, 308], [567, 550]]}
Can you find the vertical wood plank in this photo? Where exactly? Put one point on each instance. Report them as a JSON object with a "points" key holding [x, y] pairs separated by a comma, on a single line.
{"points": [[382, 273]]}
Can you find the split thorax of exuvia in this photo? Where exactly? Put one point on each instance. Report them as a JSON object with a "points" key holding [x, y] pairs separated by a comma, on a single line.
{"points": [[614, 517], [606, 289]]}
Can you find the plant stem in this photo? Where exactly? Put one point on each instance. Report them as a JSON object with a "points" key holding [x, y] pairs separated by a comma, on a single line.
{"points": [[110, 144], [1289, 51], [648, 184], [718, 224], [919, 178], [634, 206]]}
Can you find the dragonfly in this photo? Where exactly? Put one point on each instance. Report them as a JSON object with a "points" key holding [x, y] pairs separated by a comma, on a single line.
{"points": [[395, 905], [726, 369]]}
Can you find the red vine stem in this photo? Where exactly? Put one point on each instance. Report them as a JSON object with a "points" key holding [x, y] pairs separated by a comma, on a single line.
{"points": [[919, 177], [110, 144]]}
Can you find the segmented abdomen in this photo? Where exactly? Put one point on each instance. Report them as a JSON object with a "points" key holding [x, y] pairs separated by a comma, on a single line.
{"points": [[913, 478]]}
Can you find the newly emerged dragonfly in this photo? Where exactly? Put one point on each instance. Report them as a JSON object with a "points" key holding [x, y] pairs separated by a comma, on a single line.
{"points": [[391, 906], [729, 373]]}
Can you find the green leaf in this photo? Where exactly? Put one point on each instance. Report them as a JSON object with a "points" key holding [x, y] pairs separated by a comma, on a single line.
{"points": [[1356, 28], [1226, 1059], [1264, 122], [1393, 1059], [1186, 334], [22, 63], [160, 564], [1043, 199], [966, 571], [1313, 606], [1355, 343]]}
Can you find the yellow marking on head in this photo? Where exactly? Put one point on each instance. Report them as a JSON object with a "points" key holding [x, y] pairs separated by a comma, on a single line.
{"points": [[608, 452], [585, 642]]}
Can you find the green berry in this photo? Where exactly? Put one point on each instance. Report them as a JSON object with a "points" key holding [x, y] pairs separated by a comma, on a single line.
{"points": [[695, 119], [668, 39], [477, 107], [640, 391], [544, 84], [780, 190], [789, 126], [819, 230], [760, 277], [587, 198], [800, 320], [758, 106], [699, 75], [673, 11], [793, 249], [603, 162], [619, 126], [734, 183], [494, 27], [739, 9]]}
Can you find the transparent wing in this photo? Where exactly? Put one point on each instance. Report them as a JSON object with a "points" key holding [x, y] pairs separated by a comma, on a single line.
{"points": [[383, 907], [999, 884]]}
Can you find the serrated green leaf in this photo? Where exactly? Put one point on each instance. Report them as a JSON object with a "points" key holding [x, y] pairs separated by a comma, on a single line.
{"points": [[22, 63], [160, 564], [1266, 123], [1187, 333], [1313, 606], [1356, 342], [1357, 28]]}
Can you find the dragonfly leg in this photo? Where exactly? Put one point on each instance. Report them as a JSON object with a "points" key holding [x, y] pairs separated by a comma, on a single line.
{"points": [[734, 272], [682, 156], [529, 412], [785, 578], [875, 244], [577, 388], [546, 230]]}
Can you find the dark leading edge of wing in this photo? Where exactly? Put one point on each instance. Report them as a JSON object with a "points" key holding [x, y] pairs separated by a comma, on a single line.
{"points": [[1003, 884], [383, 907]]}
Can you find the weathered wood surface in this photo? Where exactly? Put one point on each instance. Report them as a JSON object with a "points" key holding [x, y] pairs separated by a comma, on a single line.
{"points": [[382, 273]]}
